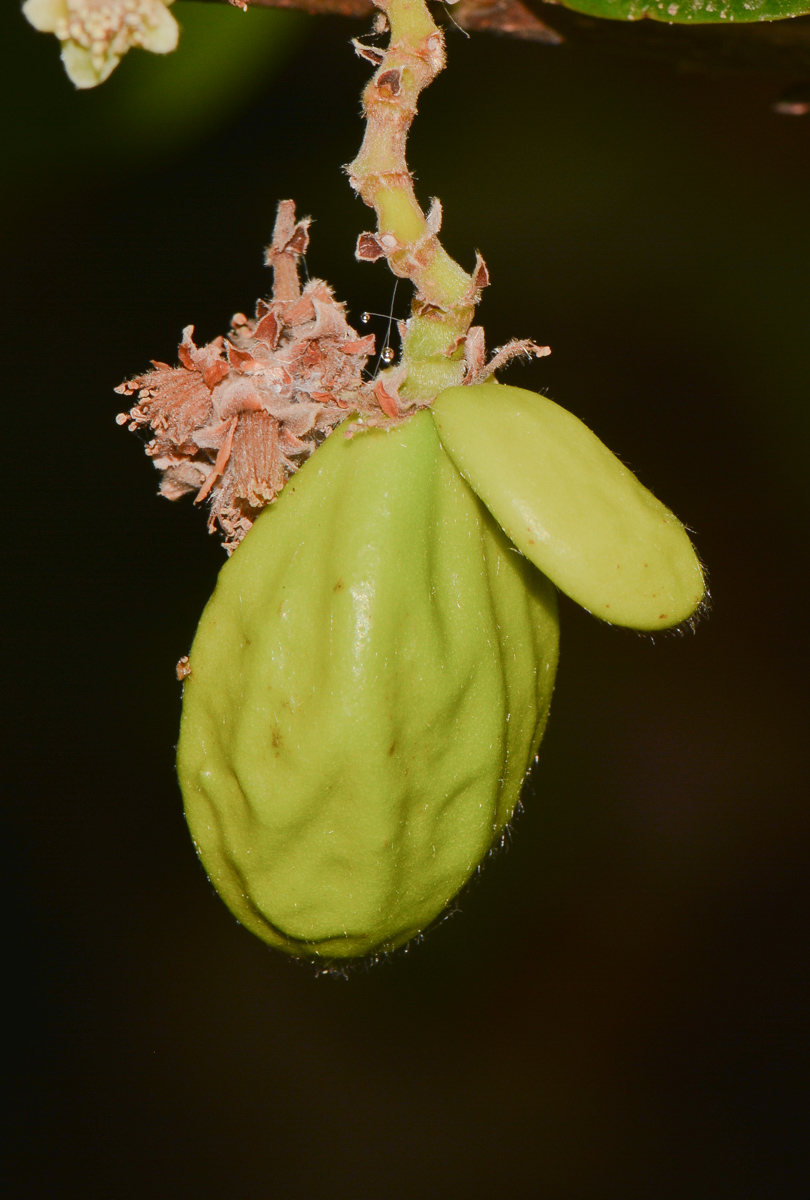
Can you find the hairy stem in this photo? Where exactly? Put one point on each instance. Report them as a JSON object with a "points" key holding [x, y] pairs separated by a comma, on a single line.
{"points": [[433, 339]]}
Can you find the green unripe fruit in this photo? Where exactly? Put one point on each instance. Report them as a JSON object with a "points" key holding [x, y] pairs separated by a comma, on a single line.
{"points": [[369, 684], [572, 508]]}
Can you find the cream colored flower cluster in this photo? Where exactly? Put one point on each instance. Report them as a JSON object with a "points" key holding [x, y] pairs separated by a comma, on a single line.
{"points": [[95, 34]]}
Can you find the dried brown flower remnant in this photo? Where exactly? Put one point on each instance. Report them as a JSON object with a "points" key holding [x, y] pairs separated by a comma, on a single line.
{"points": [[242, 413], [475, 354]]}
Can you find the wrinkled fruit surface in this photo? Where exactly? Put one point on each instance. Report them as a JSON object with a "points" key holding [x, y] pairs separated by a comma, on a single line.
{"points": [[572, 508], [369, 684]]}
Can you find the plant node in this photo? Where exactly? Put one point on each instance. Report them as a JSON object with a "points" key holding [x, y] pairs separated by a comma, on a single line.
{"points": [[440, 349], [242, 413]]}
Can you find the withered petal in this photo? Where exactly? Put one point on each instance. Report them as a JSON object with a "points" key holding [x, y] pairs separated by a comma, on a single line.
{"points": [[268, 330]]}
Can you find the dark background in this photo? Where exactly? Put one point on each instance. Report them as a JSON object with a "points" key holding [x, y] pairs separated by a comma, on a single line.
{"points": [[619, 1009]]}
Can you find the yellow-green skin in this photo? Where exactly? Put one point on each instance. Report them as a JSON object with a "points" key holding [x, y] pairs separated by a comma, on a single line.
{"points": [[571, 506], [369, 684]]}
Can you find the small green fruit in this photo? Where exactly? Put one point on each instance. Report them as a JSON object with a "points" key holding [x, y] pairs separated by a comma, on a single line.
{"points": [[572, 508], [368, 686]]}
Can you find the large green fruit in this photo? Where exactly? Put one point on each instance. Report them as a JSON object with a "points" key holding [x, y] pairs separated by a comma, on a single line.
{"points": [[369, 684], [572, 508]]}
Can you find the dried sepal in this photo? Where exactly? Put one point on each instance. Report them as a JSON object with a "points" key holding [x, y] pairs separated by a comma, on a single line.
{"points": [[240, 414], [370, 53], [369, 248], [480, 273], [475, 355]]}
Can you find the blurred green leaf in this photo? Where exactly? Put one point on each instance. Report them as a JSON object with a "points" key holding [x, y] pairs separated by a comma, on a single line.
{"points": [[778, 48], [152, 104], [692, 12]]}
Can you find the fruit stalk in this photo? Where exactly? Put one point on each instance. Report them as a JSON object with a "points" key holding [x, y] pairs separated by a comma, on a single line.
{"points": [[433, 339]]}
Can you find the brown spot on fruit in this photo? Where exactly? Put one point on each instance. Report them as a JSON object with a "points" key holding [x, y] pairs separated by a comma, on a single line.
{"points": [[339, 586], [183, 670]]}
